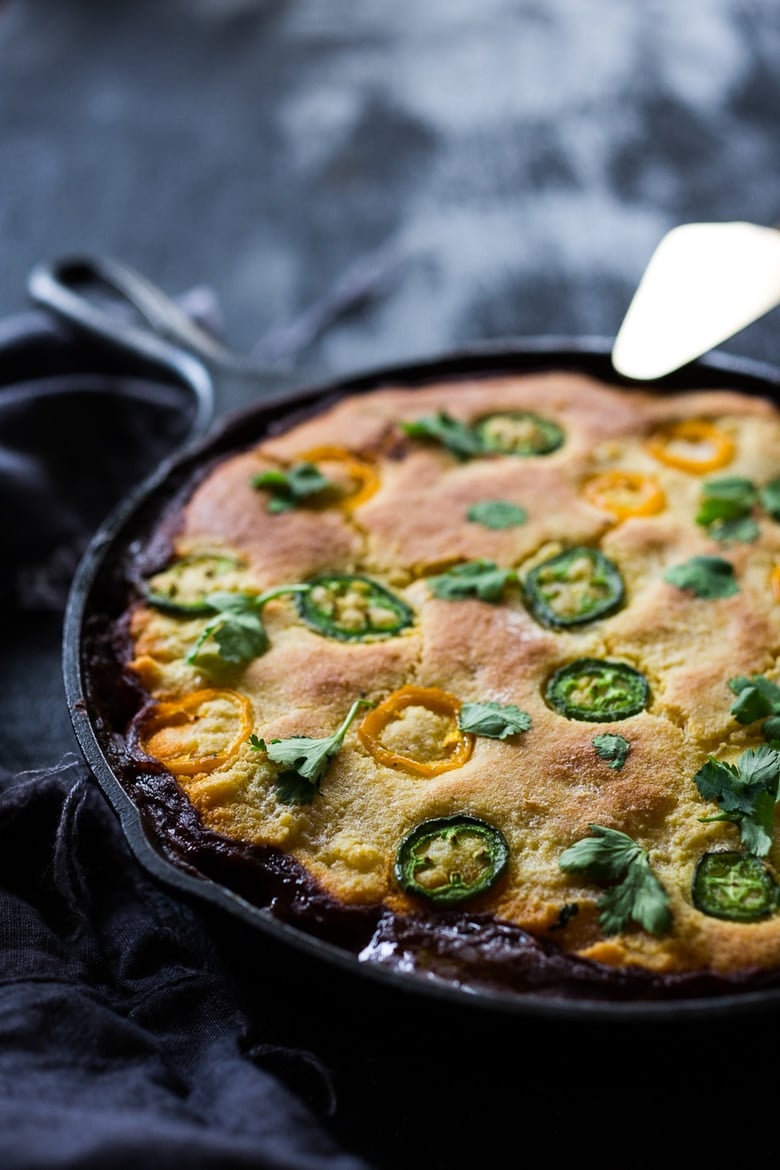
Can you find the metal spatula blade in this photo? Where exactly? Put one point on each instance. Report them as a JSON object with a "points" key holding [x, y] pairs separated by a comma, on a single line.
{"points": [[704, 282]]}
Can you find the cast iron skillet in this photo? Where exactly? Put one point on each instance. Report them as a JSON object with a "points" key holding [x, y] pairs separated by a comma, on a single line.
{"points": [[100, 587]]}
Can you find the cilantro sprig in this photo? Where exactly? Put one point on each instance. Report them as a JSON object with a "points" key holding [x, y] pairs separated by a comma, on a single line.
{"points": [[612, 748], [757, 698], [483, 579], [305, 758], [634, 893], [292, 487], [747, 792], [237, 629], [728, 507], [769, 498], [497, 514], [462, 440], [494, 720], [704, 576]]}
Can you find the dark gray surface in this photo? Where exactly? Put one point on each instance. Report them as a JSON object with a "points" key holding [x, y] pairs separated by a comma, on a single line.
{"points": [[520, 159]]}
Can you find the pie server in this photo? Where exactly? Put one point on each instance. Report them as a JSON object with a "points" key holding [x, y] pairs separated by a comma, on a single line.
{"points": [[704, 283]]}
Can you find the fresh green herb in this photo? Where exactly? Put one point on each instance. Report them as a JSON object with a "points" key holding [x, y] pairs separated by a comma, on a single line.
{"points": [[493, 719], [482, 579], [292, 788], [729, 498], [612, 748], [727, 505], [459, 438], [743, 530], [304, 755], [734, 886], [519, 432], [746, 792], [237, 628], [290, 488], [635, 893], [497, 514], [568, 911], [757, 698], [769, 496], [704, 576]]}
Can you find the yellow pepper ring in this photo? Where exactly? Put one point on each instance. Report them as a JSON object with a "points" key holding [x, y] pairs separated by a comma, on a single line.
{"points": [[717, 447], [774, 583], [363, 474], [188, 710], [458, 744], [624, 493]]}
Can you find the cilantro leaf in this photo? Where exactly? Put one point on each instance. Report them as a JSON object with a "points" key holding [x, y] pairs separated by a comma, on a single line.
{"points": [[704, 576], [493, 720], [769, 495], [237, 628], [482, 579], [292, 788], [497, 514], [743, 529], [730, 498], [306, 756], [612, 748], [289, 488], [635, 893], [746, 792], [459, 438], [770, 730], [757, 698]]}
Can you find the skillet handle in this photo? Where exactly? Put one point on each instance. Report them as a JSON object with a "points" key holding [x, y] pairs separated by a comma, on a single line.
{"points": [[62, 286], [172, 340]]}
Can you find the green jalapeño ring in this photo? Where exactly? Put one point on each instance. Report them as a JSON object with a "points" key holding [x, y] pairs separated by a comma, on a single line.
{"points": [[183, 587], [576, 586], [449, 860], [735, 886], [519, 432], [352, 608], [597, 691]]}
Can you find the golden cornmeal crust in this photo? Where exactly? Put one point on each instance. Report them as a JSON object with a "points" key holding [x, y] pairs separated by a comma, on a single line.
{"points": [[543, 788]]}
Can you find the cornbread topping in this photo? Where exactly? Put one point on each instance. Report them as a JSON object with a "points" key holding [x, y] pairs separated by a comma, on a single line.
{"points": [[489, 669]]}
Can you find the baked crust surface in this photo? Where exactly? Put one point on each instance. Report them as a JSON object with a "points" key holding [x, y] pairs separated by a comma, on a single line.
{"points": [[542, 788]]}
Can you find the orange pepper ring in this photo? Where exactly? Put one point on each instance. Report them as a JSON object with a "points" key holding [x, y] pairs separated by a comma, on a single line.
{"points": [[694, 431], [360, 470], [434, 700], [597, 490], [774, 582], [167, 714]]}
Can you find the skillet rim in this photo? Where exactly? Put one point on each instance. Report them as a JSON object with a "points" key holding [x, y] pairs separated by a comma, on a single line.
{"points": [[143, 504]]}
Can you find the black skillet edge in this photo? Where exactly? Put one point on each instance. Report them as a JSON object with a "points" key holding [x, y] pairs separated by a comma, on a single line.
{"points": [[100, 589]]}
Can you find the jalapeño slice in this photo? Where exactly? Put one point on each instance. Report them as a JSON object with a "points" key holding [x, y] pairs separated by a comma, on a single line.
{"points": [[448, 860], [182, 588], [575, 586], [519, 432], [597, 691], [735, 886], [352, 608]]}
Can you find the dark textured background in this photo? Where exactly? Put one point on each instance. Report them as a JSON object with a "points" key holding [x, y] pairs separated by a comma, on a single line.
{"points": [[521, 158], [507, 168]]}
